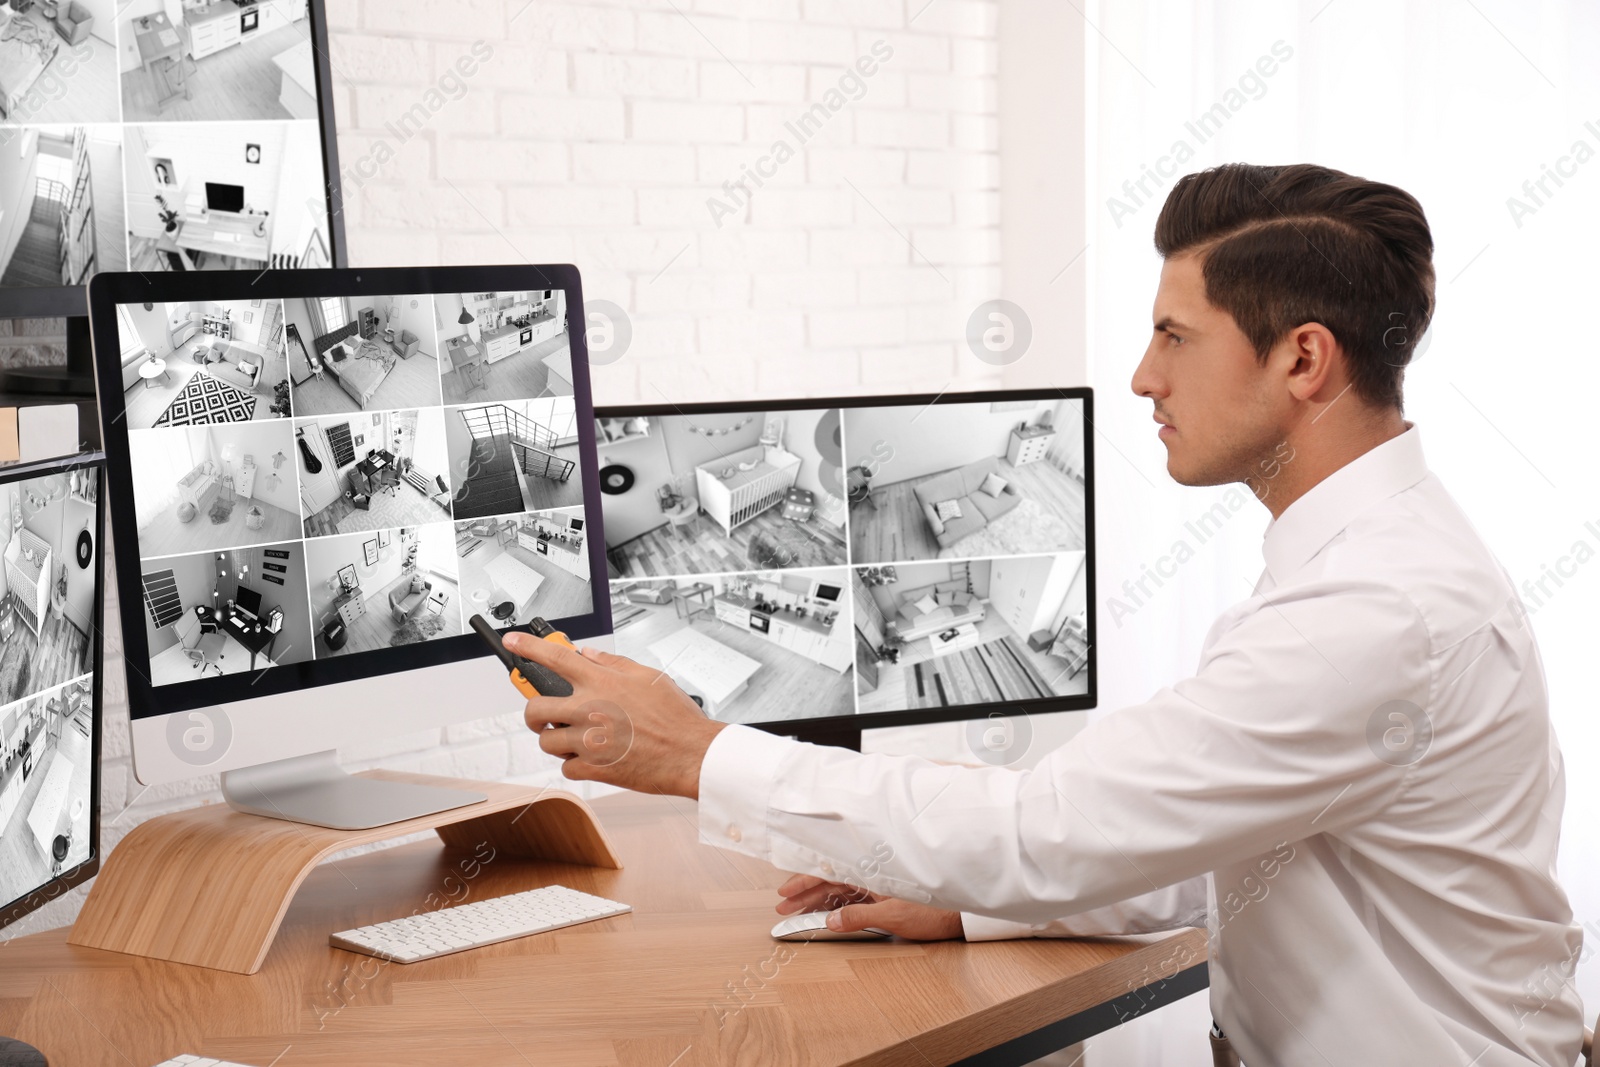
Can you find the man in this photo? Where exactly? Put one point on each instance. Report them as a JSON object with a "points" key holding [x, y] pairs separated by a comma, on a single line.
{"points": [[1359, 790]]}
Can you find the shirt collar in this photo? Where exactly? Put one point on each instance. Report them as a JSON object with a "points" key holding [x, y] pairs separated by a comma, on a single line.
{"points": [[1329, 506]]}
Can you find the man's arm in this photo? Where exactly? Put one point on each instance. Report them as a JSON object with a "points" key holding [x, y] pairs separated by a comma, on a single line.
{"points": [[1175, 907], [1267, 743], [853, 908]]}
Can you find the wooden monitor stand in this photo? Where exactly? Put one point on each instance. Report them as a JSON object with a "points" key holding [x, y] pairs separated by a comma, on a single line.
{"points": [[209, 886]]}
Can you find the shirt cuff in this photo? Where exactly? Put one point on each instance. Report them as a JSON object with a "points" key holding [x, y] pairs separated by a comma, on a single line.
{"points": [[737, 776], [984, 928]]}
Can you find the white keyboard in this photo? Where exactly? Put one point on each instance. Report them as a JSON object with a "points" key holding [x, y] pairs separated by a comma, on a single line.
{"points": [[483, 922], [197, 1061]]}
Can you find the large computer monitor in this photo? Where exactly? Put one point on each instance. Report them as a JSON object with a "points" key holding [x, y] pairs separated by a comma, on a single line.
{"points": [[113, 130], [223, 197], [427, 457], [51, 523], [815, 567]]}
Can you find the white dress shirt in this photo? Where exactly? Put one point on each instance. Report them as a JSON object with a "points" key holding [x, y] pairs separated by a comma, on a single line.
{"points": [[1363, 763]]}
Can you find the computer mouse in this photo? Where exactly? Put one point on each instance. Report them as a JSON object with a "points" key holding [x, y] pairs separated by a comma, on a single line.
{"points": [[813, 926]]}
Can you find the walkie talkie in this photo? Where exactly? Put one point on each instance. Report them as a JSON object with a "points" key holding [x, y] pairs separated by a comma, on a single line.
{"points": [[531, 679]]}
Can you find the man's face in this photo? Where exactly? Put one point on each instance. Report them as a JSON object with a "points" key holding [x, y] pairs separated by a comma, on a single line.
{"points": [[1219, 409]]}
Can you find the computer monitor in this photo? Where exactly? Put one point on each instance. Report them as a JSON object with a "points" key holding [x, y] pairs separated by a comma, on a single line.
{"points": [[51, 522], [247, 600], [113, 136], [816, 567], [379, 454], [224, 197]]}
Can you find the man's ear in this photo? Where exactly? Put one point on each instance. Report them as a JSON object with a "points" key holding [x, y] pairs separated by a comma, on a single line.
{"points": [[1315, 359]]}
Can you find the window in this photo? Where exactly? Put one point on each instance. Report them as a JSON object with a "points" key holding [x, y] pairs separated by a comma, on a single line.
{"points": [[132, 347], [160, 462], [57, 169], [161, 597], [333, 313]]}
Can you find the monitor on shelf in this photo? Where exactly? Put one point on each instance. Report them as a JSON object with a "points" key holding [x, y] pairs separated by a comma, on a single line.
{"points": [[822, 566], [136, 172], [251, 482], [51, 520], [220, 197]]}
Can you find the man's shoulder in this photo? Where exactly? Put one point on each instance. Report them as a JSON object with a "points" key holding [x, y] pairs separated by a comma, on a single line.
{"points": [[1422, 545]]}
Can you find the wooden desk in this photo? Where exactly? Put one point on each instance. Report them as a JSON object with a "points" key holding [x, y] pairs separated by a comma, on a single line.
{"points": [[648, 989], [223, 233]]}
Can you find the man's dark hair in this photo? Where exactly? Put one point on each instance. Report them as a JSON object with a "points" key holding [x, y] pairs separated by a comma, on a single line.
{"points": [[1282, 246]]}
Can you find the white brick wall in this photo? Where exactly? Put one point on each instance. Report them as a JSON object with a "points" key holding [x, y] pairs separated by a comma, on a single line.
{"points": [[594, 133]]}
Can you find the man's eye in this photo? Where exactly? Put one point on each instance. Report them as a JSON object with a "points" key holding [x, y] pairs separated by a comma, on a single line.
{"points": [[1174, 339]]}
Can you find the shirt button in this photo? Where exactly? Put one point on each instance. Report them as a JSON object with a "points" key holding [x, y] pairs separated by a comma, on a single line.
{"points": [[733, 833], [826, 868]]}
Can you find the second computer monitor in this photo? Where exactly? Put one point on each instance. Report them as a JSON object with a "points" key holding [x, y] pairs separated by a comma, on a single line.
{"points": [[50, 657], [865, 561]]}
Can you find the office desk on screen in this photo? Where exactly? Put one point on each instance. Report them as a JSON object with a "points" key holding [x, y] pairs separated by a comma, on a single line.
{"points": [[222, 233], [255, 641], [374, 473], [690, 977]]}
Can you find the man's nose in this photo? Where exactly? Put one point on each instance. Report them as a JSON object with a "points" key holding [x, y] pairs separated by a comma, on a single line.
{"points": [[1146, 382]]}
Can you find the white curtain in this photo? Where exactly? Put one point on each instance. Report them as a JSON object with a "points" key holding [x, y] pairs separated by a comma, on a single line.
{"points": [[318, 320], [162, 458], [1460, 104]]}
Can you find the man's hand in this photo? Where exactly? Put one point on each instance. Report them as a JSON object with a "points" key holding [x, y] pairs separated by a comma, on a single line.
{"points": [[854, 908], [624, 724]]}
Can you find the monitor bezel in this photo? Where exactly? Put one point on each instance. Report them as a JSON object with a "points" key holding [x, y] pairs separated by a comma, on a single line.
{"points": [[108, 290], [823, 725], [47, 301], [34, 899]]}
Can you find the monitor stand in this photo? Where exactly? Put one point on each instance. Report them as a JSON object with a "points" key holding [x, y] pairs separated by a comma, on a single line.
{"points": [[314, 789], [208, 886], [18, 1054]]}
